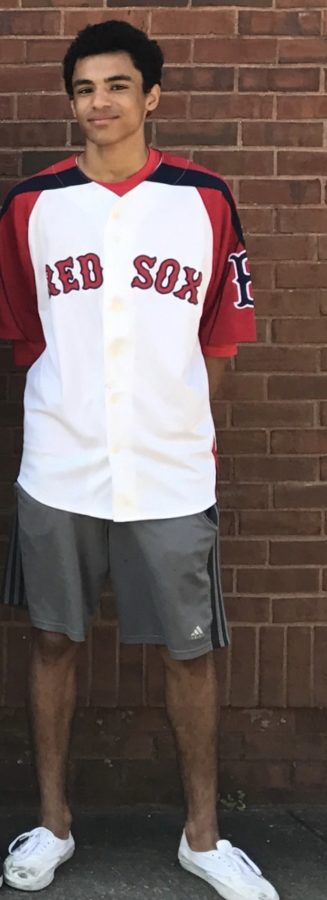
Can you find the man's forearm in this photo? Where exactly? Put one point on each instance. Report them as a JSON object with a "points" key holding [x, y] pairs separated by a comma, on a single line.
{"points": [[215, 368]]}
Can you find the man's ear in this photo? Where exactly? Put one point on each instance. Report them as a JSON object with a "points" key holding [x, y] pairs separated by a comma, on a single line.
{"points": [[153, 98]]}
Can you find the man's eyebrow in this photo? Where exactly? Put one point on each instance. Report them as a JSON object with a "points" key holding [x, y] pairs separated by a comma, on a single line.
{"points": [[80, 81]]}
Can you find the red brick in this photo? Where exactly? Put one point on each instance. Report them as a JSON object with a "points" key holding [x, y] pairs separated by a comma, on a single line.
{"points": [[322, 247], [243, 496], [9, 163], [248, 609], [171, 134], [282, 247], [28, 22], [311, 775], [297, 387], [263, 275], [304, 331], [278, 359], [267, 23], [272, 414], [243, 672], [323, 468], [272, 686], [284, 581], [235, 106], [310, 496], [302, 220], [235, 551], [289, 303], [30, 78], [201, 78], [257, 221], [311, 552], [75, 21], [236, 162], [231, 3], [274, 468], [302, 107], [192, 21], [172, 106], [104, 690], [300, 609], [26, 134], [320, 666], [234, 442], [6, 107], [279, 79], [282, 134], [11, 51], [236, 50], [281, 522], [47, 50], [300, 4], [175, 50], [299, 441], [43, 106], [304, 50], [282, 191], [324, 359], [295, 163]]}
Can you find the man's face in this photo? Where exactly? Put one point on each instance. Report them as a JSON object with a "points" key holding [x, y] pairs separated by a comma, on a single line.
{"points": [[108, 98]]}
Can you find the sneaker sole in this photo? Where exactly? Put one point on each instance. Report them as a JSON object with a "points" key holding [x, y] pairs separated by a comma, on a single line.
{"points": [[41, 883], [225, 892]]}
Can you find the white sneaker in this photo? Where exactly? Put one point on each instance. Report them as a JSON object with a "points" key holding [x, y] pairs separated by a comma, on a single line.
{"points": [[228, 870], [34, 857]]}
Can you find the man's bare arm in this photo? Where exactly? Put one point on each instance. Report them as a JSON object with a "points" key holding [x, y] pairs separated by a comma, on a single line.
{"points": [[215, 368]]}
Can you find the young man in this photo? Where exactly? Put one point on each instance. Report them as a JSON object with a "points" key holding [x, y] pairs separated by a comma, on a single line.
{"points": [[125, 287]]}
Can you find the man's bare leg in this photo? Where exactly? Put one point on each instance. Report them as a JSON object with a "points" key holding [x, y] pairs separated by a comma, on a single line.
{"points": [[52, 699], [193, 711]]}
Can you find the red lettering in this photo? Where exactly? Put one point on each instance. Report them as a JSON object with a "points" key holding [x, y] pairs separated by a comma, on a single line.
{"points": [[140, 264], [66, 276], [170, 277], [190, 287], [53, 291], [91, 271]]}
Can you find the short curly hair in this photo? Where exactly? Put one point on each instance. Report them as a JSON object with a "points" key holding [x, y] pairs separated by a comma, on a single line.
{"points": [[115, 36]]}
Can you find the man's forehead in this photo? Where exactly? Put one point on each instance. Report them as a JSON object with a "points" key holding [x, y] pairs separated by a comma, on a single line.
{"points": [[106, 65]]}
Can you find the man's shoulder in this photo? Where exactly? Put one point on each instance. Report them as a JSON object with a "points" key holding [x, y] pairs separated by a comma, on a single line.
{"points": [[195, 174], [46, 179]]}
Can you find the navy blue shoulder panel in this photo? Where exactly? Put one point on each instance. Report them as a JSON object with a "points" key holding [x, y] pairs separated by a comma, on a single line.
{"points": [[169, 174], [48, 182]]}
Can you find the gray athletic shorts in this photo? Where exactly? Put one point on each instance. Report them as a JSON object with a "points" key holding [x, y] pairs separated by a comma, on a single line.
{"points": [[164, 573]]}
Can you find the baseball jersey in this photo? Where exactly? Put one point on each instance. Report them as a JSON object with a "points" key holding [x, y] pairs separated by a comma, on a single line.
{"points": [[113, 294]]}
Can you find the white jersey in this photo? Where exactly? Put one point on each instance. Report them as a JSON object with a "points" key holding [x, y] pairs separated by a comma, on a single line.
{"points": [[113, 294]]}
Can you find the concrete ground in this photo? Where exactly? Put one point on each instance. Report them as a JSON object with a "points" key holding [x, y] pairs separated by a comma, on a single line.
{"points": [[130, 853]]}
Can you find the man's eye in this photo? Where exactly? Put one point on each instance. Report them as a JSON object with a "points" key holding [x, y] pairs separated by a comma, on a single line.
{"points": [[119, 87], [84, 91]]}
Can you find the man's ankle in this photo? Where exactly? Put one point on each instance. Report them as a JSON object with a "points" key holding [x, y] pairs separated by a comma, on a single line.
{"points": [[201, 837], [57, 822]]}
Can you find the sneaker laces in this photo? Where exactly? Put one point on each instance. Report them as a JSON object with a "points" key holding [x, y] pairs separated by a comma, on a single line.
{"points": [[31, 843], [236, 857]]}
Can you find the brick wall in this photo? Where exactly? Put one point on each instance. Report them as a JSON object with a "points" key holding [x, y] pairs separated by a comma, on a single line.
{"points": [[245, 95]]}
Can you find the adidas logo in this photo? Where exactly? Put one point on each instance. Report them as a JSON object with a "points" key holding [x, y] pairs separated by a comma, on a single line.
{"points": [[197, 633]]}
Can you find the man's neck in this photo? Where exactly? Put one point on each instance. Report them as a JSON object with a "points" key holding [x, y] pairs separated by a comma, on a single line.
{"points": [[112, 164]]}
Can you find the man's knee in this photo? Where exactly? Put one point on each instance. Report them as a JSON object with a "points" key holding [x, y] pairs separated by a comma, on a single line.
{"points": [[52, 646]]}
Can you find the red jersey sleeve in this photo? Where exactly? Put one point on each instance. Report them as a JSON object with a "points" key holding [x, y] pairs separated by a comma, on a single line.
{"points": [[228, 313], [19, 318]]}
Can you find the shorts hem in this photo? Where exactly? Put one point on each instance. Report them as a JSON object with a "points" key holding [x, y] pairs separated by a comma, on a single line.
{"points": [[175, 654], [58, 628]]}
